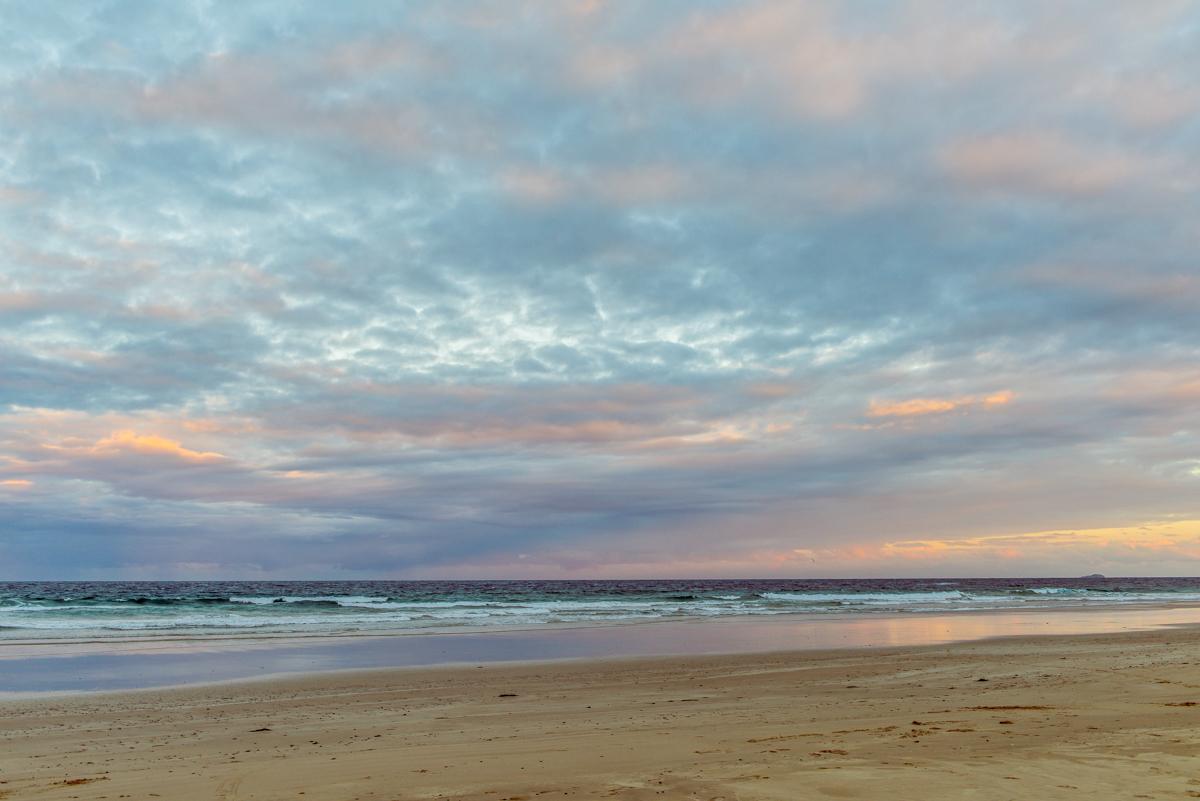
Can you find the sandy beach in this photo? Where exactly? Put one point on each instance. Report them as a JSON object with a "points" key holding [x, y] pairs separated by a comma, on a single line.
{"points": [[1095, 716]]}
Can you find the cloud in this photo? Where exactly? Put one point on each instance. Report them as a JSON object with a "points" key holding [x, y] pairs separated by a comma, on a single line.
{"points": [[1039, 162], [150, 445], [16, 196], [1165, 540], [749, 283], [1150, 101], [1170, 290], [917, 407]]}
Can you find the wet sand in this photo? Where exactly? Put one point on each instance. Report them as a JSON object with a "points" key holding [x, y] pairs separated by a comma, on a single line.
{"points": [[1108, 716], [111, 663]]}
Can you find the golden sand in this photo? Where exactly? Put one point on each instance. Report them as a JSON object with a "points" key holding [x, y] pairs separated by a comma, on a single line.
{"points": [[1089, 717]]}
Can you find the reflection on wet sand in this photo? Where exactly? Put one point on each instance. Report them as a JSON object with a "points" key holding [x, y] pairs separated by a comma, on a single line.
{"points": [[32, 667]]}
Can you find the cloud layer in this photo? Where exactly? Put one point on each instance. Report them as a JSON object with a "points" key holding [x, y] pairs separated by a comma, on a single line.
{"points": [[587, 288]]}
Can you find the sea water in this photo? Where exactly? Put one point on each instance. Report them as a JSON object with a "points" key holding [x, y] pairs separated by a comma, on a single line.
{"points": [[99, 610]]}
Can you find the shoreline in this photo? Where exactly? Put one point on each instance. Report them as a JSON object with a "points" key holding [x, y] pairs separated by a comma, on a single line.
{"points": [[255, 637], [1107, 715], [387, 673], [49, 668]]}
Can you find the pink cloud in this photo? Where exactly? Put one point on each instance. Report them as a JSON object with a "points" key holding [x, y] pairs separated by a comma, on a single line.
{"points": [[637, 185], [625, 186], [1148, 101], [1169, 289], [289, 94], [266, 96], [793, 59], [18, 196], [532, 185], [794, 48], [1043, 162]]}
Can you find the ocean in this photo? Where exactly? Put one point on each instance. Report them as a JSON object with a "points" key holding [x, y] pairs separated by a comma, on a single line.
{"points": [[112, 610]]}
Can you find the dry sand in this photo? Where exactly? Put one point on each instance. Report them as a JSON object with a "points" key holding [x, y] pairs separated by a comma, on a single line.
{"points": [[1090, 717]]}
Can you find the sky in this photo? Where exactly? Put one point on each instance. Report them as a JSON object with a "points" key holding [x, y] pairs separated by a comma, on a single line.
{"points": [[572, 288]]}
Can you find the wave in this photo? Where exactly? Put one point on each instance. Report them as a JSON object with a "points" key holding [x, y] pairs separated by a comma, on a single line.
{"points": [[336, 600], [867, 598], [156, 601], [1058, 590], [67, 609]]}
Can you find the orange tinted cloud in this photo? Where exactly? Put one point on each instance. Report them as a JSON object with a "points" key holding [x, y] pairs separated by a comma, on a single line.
{"points": [[1181, 537], [923, 406], [16, 483], [127, 441]]}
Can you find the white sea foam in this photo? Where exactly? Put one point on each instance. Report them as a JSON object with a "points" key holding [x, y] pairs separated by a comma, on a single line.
{"points": [[1058, 591], [868, 598], [340, 600], [216, 608]]}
